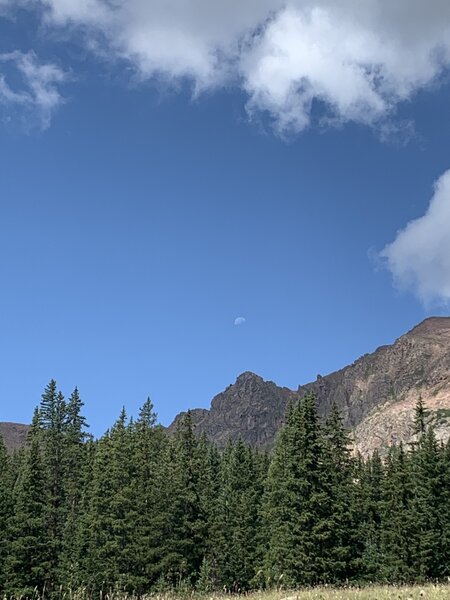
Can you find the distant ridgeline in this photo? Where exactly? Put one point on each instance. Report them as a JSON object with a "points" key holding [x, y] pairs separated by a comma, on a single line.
{"points": [[376, 395], [141, 511]]}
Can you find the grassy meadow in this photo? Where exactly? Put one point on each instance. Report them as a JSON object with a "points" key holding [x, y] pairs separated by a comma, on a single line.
{"points": [[426, 592], [384, 592]]}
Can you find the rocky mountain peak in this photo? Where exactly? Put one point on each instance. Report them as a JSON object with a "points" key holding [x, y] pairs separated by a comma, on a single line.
{"points": [[248, 377], [250, 409], [376, 394]]}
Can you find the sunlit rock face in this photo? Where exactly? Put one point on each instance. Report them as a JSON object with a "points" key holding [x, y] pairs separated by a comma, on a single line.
{"points": [[376, 395]]}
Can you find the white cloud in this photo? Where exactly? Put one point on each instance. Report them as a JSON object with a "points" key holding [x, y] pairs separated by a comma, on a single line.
{"points": [[198, 39], [358, 59], [355, 60], [419, 257], [36, 95], [239, 321]]}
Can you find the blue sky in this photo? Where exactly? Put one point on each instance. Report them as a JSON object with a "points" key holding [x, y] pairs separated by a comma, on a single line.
{"points": [[155, 188]]}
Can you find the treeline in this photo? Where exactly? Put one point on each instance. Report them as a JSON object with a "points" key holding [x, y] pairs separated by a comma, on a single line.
{"points": [[141, 511]]}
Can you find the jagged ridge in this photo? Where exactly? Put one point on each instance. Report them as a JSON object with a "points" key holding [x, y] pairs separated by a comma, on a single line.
{"points": [[376, 394]]}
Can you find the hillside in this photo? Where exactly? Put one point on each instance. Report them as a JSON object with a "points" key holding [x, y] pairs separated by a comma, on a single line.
{"points": [[14, 435], [376, 394]]}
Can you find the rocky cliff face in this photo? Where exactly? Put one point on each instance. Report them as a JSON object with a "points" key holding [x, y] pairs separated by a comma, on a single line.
{"points": [[14, 435], [376, 394], [251, 409]]}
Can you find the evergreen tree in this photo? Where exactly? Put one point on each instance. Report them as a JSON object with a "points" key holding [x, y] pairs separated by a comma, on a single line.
{"points": [[140, 510], [112, 511], [419, 425], [210, 575], [397, 518], [29, 560], [297, 503], [338, 523], [366, 511], [279, 512], [53, 420], [185, 525], [5, 510], [238, 518], [73, 457], [148, 492], [429, 508], [76, 568]]}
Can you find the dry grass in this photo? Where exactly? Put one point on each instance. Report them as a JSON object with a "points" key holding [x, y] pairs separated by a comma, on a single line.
{"points": [[388, 592], [426, 592]]}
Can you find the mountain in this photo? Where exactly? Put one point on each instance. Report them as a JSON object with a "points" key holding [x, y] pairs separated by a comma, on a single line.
{"points": [[376, 394], [14, 435], [251, 409]]}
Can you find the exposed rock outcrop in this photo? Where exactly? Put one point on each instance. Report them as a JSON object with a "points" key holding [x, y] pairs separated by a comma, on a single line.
{"points": [[376, 394], [251, 409]]}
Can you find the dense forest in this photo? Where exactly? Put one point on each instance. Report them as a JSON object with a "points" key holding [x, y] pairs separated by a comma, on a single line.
{"points": [[140, 511]]}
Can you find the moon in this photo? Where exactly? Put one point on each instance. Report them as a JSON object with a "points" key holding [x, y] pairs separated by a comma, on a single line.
{"points": [[239, 321]]}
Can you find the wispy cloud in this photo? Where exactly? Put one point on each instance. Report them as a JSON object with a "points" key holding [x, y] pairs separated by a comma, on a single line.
{"points": [[354, 60], [419, 257], [34, 94]]}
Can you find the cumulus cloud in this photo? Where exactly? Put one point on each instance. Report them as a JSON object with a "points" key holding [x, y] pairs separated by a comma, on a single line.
{"points": [[36, 95], [335, 60], [352, 60], [239, 321], [419, 257]]}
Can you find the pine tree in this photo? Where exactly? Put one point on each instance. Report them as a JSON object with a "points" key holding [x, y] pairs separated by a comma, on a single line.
{"points": [[366, 511], [211, 486], [76, 567], [279, 511], [73, 480], [112, 511], [29, 560], [53, 419], [429, 507], [338, 523], [148, 485], [297, 504], [238, 518], [6, 507], [419, 418], [443, 512], [397, 527], [184, 546]]}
